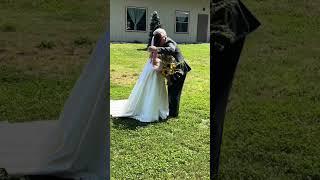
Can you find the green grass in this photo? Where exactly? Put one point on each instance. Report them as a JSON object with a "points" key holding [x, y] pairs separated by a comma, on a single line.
{"points": [[173, 149], [272, 127], [43, 48]]}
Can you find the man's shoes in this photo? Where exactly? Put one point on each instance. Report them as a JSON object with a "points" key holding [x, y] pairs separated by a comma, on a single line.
{"points": [[173, 115]]}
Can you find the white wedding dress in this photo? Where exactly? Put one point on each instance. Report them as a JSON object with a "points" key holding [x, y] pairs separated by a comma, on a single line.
{"points": [[148, 100], [76, 145]]}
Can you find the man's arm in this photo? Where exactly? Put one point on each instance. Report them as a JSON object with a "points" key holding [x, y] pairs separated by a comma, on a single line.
{"points": [[169, 49]]}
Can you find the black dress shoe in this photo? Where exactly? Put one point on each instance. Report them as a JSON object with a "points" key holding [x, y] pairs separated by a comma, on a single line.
{"points": [[173, 115]]}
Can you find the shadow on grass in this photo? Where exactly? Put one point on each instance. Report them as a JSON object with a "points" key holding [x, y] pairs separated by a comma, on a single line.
{"points": [[132, 124], [142, 49]]}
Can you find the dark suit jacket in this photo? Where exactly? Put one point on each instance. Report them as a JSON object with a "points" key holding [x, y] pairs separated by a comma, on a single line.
{"points": [[171, 48]]}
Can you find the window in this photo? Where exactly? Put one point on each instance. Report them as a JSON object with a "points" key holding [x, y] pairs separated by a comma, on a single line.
{"points": [[182, 21], [136, 19]]}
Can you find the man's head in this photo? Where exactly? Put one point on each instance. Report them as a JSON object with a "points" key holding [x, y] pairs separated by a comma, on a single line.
{"points": [[160, 36]]}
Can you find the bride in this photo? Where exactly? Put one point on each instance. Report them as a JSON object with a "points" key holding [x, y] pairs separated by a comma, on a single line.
{"points": [[148, 101]]}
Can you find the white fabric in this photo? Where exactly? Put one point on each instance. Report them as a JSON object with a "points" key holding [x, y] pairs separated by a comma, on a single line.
{"points": [[148, 100], [75, 146], [152, 41]]}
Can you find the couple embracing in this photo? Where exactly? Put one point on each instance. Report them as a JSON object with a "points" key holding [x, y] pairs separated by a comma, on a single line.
{"points": [[150, 100]]}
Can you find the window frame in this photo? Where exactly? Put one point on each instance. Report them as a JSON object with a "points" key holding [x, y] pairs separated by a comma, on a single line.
{"points": [[126, 14], [175, 22]]}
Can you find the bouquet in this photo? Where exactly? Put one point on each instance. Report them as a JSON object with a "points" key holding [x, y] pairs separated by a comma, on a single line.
{"points": [[169, 66]]}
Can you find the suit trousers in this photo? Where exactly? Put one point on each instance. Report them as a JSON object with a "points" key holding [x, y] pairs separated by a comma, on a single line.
{"points": [[223, 70], [174, 94]]}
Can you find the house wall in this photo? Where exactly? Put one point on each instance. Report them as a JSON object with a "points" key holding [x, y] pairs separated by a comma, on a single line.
{"points": [[166, 10]]}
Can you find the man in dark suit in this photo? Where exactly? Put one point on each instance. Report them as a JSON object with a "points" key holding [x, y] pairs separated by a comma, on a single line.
{"points": [[165, 45], [230, 23]]}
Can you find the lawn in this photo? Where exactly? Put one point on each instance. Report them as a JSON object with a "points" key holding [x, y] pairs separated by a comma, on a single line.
{"points": [[43, 48], [272, 127], [173, 149]]}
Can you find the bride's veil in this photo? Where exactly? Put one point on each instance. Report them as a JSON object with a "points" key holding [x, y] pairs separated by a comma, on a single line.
{"points": [[152, 41]]}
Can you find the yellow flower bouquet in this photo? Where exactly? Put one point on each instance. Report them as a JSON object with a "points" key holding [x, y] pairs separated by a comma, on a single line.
{"points": [[169, 66]]}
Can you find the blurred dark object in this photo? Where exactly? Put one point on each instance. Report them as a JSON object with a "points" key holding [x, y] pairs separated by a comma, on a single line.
{"points": [[45, 178], [3, 173], [230, 23], [5, 176]]}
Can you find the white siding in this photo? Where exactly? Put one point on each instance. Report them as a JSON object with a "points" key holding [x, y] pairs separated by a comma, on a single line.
{"points": [[166, 10]]}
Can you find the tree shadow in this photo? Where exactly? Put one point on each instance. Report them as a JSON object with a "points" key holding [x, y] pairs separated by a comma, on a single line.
{"points": [[133, 124]]}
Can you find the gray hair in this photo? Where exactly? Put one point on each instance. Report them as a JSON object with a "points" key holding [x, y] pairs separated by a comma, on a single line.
{"points": [[160, 31]]}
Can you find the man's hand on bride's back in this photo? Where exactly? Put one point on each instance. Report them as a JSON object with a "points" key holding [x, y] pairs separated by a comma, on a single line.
{"points": [[152, 49]]}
